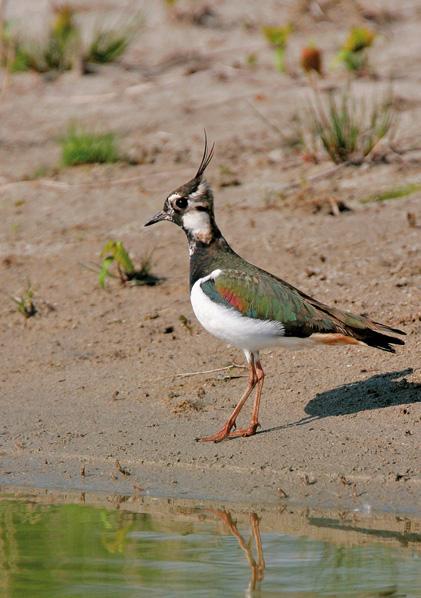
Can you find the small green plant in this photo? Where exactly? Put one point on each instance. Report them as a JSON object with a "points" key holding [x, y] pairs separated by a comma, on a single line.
{"points": [[115, 252], [82, 147], [63, 42], [108, 45], [57, 52], [354, 52], [62, 48], [12, 54], [278, 38], [25, 302], [348, 130]]}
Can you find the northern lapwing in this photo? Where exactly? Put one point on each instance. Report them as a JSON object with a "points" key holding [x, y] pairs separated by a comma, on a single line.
{"points": [[249, 308]]}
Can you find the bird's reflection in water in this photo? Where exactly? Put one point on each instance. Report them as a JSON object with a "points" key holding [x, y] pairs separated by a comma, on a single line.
{"points": [[256, 564]]}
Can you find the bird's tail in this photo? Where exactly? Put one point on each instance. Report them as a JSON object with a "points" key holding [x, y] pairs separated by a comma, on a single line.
{"points": [[374, 338], [373, 335], [360, 329]]}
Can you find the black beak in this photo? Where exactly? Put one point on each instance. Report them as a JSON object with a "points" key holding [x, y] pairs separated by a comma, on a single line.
{"points": [[157, 218]]}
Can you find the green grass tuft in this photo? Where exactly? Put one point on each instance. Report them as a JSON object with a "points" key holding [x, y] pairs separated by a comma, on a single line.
{"points": [[83, 147], [63, 48], [393, 193], [109, 45], [347, 128]]}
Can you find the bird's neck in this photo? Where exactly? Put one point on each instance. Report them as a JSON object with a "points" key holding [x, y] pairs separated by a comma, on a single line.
{"points": [[207, 247], [207, 256]]}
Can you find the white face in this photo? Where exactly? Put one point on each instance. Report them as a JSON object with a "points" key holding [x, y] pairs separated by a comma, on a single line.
{"points": [[196, 222]]}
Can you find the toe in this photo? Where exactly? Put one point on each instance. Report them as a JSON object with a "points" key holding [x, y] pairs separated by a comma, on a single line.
{"points": [[244, 432]]}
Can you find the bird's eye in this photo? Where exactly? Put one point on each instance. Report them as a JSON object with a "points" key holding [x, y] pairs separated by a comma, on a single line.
{"points": [[181, 202]]}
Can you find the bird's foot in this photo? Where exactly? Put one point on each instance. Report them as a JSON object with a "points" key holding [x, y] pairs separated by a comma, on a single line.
{"points": [[223, 433], [243, 432]]}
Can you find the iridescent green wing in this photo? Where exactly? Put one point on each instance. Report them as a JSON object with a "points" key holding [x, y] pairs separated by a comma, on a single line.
{"points": [[263, 297]]}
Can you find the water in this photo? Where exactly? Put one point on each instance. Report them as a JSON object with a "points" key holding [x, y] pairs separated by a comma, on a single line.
{"points": [[161, 548]]}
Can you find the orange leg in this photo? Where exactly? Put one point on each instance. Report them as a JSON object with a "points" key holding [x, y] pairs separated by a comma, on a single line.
{"points": [[224, 432], [254, 422], [255, 528], [257, 569]]}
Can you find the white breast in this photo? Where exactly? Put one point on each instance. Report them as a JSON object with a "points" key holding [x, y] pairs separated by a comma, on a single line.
{"points": [[229, 325]]}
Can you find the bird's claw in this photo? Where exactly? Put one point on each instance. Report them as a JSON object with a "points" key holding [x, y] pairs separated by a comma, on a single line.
{"points": [[218, 436], [227, 432]]}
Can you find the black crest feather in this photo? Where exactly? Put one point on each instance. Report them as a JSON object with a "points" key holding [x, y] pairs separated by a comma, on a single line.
{"points": [[206, 158]]}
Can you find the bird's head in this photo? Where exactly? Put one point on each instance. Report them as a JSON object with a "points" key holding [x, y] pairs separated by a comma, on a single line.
{"points": [[191, 205]]}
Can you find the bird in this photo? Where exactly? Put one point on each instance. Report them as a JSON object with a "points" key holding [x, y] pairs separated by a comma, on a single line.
{"points": [[249, 308]]}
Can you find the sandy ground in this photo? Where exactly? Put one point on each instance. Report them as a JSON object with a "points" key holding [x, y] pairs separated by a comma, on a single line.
{"points": [[94, 377]]}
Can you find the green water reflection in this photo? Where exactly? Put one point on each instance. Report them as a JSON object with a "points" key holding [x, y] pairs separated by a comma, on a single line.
{"points": [[76, 550]]}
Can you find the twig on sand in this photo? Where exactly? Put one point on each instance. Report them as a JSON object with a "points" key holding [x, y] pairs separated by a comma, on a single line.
{"points": [[228, 367]]}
